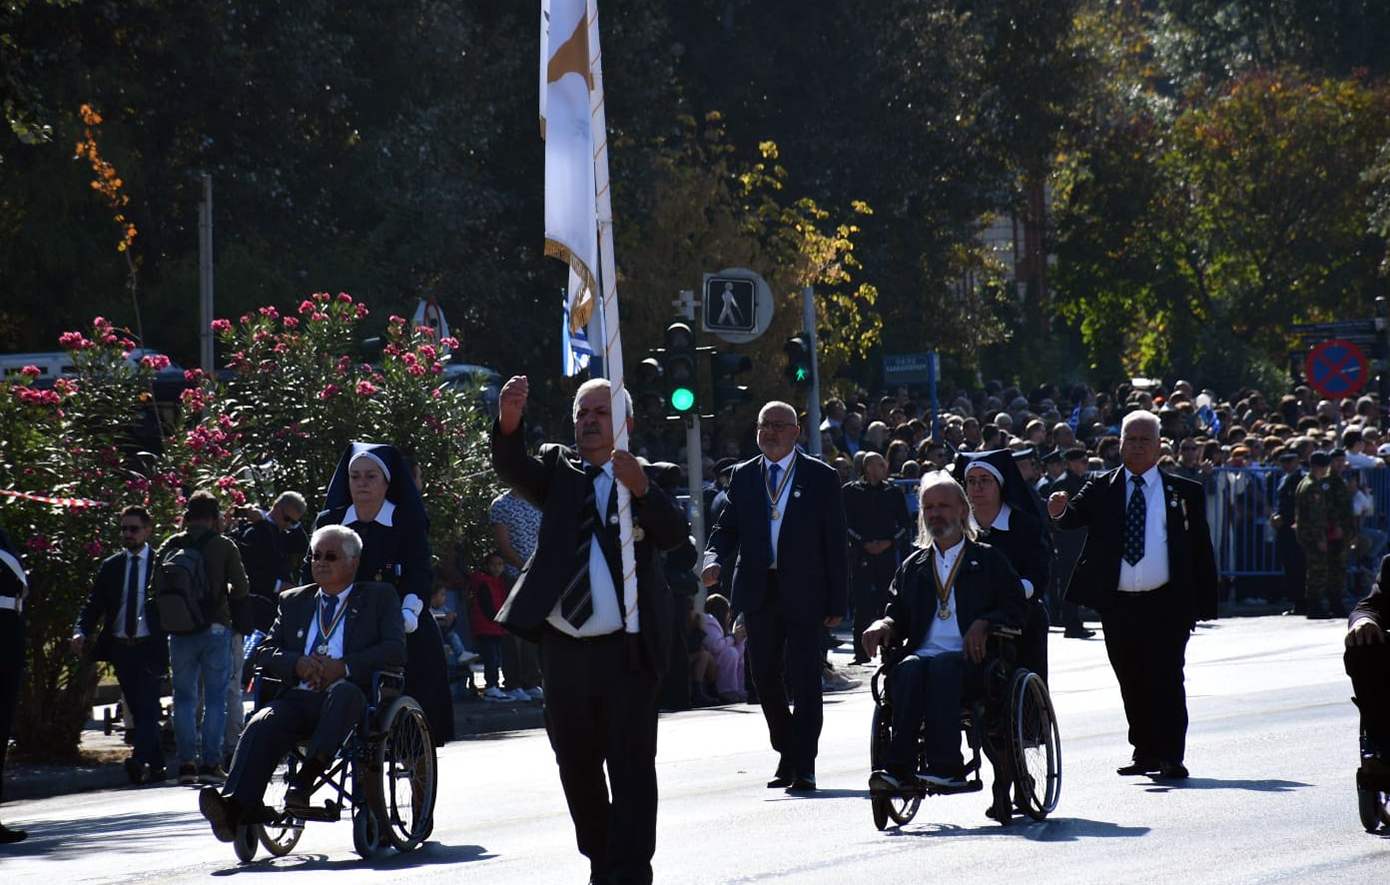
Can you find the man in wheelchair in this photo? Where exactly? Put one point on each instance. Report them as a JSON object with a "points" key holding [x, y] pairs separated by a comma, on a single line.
{"points": [[943, 603], [1367, 661], [327, 640]]}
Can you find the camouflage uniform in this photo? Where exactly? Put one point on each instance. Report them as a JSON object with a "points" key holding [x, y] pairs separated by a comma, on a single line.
{"points": [[1320, 504]]}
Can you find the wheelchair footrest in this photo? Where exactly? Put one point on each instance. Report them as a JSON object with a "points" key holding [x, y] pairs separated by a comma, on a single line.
{"points": [[330, 811], [971, 786]]}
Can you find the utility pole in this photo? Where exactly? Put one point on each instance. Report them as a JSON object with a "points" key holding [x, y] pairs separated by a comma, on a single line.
{"points": [[808, 317], [205, 276]]}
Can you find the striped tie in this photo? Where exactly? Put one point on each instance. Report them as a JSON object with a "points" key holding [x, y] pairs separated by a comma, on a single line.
{"points": [[576, 602]]}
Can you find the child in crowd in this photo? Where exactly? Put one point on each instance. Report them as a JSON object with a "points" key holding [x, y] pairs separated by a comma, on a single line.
{"points": [[701, 661], [725, 645], [488, 590], [445, 618]]}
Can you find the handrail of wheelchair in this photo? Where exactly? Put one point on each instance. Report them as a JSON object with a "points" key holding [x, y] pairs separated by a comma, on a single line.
{"points": [[1004, 634]]}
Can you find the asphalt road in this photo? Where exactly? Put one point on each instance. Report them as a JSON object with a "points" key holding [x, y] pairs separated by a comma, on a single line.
{"points": [[1272, 749]]}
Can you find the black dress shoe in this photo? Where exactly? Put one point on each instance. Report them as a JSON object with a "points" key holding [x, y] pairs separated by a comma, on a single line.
{"points": [[784, 777], [9, 836], [135, 770], [1171, 771], [219, 812], [1139, 766], [804, 783], [1078, 633]]}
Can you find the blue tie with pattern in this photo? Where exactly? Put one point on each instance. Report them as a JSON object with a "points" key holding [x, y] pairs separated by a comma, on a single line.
{"points": [[1135, 523]]}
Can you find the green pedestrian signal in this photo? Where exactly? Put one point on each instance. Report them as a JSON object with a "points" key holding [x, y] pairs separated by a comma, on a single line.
{"points": [[798, 351]]}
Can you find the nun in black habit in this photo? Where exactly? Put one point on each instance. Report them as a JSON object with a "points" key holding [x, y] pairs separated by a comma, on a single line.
{"points": [[374, 494], [1010, 518]]}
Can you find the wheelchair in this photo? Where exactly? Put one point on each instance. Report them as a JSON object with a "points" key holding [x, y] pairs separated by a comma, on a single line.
{"points": [[1372, 794], [1011, 723], [384, 773]]}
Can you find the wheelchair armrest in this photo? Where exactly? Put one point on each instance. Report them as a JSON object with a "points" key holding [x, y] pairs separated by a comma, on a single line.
{"points": [[388, 683], [1004, 631]]}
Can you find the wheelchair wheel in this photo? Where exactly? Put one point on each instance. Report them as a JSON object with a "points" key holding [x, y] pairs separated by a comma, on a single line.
{"points": [[1373, 805], [244, 842], [899, 809], [1036, 746], [366, 831], [279, 838], [405, 775]]}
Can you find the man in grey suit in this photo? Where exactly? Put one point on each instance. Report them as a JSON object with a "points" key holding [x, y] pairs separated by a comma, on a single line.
{"points": [[325, 643], [783, 533]]}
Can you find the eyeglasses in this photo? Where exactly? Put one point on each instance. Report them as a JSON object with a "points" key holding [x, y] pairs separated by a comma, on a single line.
{"points": [[777, 426], [330, 556], [132, 529]]}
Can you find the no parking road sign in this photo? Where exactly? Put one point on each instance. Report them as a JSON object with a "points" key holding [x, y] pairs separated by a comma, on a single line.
{"points": [[1336, 368]]}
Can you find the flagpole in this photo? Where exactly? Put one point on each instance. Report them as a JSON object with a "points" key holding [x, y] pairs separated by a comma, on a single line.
{"points": [[612, 342]]}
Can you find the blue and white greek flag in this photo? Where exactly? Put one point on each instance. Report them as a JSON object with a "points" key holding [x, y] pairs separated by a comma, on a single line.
{"points": [[574, 345]]}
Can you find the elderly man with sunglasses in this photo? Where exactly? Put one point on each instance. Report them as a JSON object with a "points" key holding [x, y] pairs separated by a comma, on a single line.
{"points": [[327, 640]]}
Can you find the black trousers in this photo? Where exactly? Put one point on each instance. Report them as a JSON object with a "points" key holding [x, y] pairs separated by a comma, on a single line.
{"points": [[1289, 554], [140, 674], [1369, 669], [600, 709], [324, 718], [869, 579], [780, 653], [1146, 641], [11, 671]]}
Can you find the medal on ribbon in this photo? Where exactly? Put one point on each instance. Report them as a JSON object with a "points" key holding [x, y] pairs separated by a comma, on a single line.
{"points": [[326, 633], [943, 591], [775, 495]]}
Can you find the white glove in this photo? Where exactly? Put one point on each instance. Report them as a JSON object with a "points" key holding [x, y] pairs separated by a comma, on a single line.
{"points": [[411, 607]]}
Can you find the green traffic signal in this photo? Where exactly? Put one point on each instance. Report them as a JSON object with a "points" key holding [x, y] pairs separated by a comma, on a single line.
{"points": [[682, 399]]}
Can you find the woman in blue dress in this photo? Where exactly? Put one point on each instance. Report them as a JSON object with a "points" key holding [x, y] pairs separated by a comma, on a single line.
{"points": [[374, 494]]}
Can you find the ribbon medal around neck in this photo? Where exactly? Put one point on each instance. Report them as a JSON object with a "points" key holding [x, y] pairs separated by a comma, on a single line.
{"points": [[325, 633], [775, 495], [943, 591]]}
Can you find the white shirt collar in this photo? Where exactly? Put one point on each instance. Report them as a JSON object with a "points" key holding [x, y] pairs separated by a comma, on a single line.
{"points": [[140, 552], [342, 597], [785, 463], [1149, 476], [950, 552], [1001, 520], [383, 515]]}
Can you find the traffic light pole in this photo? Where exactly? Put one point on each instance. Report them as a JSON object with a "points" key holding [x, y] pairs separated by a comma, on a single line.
{"points": [[808, 316], [694, 470]]}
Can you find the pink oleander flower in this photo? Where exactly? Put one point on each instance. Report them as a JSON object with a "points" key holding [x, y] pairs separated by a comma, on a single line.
{"points": [[436, 368], [73, 341], [220, 326], [361, 311], [396, 321], [193, 376], [31, 371], [157, 361], [270, 312], [238, 497], [290, 322], [93, 548], [320, 297], [428, 352], [138, 484], [40, 543], [306, 306], [226, 482], [451, 343], [318, 316], [365, 388], [328, 392], [416, 369], [344, 298]]}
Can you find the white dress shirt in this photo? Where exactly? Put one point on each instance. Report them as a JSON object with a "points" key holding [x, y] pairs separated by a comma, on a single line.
{"points": [[607, 617], [1151, 572], [142, 576], [780, 504], [942, 635]]}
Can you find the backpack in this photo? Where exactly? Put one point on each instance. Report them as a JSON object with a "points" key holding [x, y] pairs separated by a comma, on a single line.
{"points": [[182, 594]]}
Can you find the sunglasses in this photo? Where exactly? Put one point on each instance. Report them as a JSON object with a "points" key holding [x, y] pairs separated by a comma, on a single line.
{"points": [[330, 556]]}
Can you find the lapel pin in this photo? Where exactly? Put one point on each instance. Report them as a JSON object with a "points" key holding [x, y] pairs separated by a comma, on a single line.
{"points": [[299, 635], [796, 493]]}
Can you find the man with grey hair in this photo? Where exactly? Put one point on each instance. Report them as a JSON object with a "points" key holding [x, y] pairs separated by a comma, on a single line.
{"points": [[604, 646], [327, 640], [1148, 567], [783, 534], [943, 603]]}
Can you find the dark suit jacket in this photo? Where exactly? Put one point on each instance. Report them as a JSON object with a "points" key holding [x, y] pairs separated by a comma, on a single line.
{"points": [[104, 603], [1027, 547], [1100, 508], [986, 587], [812, 546], [1376, 605], [373, 632], [558, 482]]}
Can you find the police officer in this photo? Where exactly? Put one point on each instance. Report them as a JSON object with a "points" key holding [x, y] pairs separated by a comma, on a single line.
{"points": [[877, 520], [13, 588], [1324, 526], [1286, 546]]}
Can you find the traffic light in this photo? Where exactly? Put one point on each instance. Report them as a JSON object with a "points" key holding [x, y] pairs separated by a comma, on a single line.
{"points": [[679, 370], [727, 391], [798, 350], [648, 389]]}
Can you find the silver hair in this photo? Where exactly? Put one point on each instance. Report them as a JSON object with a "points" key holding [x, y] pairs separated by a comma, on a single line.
{"points": [[295, 500], [598, 384], [934, 479], [350, 540], [777, 404], [1140, 416]]}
